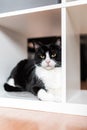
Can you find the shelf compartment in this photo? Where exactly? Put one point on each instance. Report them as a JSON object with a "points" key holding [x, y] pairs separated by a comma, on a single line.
{"points": [[14, 31], [46, 22], [76, 20]]}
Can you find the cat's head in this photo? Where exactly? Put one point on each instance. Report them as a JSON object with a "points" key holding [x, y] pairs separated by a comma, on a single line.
{"points": [[48, 56]]}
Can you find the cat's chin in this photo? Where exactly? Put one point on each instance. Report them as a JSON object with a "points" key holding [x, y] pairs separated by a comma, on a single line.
{"points": [[49, 67]]}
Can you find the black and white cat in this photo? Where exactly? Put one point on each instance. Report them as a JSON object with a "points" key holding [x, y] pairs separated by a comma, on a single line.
{"points": [[41, 75]]}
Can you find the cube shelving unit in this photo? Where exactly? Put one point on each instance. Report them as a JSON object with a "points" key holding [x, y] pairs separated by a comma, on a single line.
{"points": [[67, 19]]}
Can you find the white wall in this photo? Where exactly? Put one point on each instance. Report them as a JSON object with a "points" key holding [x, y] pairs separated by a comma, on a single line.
{"points": [[13, 48]]}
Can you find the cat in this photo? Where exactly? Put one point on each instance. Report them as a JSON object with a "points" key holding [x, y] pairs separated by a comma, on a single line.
{"points": [[42, 76]]}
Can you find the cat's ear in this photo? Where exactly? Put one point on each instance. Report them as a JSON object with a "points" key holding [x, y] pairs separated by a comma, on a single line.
{"points": [[58, 42], [31, 45], [37, 45]]}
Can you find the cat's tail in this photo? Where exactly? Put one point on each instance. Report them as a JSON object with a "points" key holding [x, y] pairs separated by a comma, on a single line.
{"points": [[10, 88]]}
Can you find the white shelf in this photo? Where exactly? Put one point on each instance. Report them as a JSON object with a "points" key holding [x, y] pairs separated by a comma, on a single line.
{"points": [[32, 10], [68, 20], [79, 17], [16, 95], [79, 98], [27, 24], [70, 3], [68, 108]]}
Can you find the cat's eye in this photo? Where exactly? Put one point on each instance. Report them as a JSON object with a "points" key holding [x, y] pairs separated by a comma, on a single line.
{"points": [[53, 55], [42, 56]]}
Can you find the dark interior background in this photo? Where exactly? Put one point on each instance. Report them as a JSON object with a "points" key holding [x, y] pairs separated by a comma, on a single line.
{"points": [[83, 60]]}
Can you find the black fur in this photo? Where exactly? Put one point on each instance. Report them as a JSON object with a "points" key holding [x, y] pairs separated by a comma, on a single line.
{"points": [[25, 78]]}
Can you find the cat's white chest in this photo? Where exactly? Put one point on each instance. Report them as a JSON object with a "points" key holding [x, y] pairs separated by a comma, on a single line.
{"points": [[52, 79]]}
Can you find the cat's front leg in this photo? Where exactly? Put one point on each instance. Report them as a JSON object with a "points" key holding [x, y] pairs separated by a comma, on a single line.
{"points": [[45, 96]]}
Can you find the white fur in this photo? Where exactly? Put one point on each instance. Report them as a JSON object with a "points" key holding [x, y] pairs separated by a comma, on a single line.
{"points": [[11, 82], [43, 95], [46, 96], [51, 64], [52, 80]]}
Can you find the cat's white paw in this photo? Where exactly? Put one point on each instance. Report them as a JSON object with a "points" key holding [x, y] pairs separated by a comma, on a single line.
{"points": [[44, 96]]}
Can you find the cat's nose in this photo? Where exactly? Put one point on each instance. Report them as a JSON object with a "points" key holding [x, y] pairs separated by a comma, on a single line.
{"points": [[48, 61]]}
